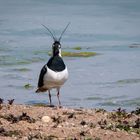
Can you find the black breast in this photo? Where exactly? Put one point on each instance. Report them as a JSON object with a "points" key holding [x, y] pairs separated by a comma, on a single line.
{"points": [[56, 63]]}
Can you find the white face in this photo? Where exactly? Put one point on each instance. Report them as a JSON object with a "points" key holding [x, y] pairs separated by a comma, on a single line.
{"points": [[59, 46]]}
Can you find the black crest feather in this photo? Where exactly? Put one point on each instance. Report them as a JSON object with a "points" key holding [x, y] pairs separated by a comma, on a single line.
{"points": [[53, 35]]}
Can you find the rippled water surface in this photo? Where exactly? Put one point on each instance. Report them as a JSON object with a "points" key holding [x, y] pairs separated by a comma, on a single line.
{"points": [[111, 28]]}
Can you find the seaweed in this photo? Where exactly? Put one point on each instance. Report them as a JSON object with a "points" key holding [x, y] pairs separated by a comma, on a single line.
{"points": [[77, 54], [11, 118], [77, 48], [82, 133], [35, 136], [1, 101], [40, 105], [10, 133], [120, 113], [24, 117], [137, 111], [103, 123], [13, 133], [97, 138], [123, 125], [57, 120], [83, 122], [10, 102], [21, 69], [88, 139], [137, 123], [51, 137], [27, 86], [92, 125], [2, 130], [70, 114], [100, 110], [72, 138], [121, 122]]}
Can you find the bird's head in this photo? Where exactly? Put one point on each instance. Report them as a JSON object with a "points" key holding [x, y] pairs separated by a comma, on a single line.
{"points": [[56, 48]]}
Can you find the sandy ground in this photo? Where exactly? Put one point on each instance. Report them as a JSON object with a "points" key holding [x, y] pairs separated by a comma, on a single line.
{"points": [[22, 122]]}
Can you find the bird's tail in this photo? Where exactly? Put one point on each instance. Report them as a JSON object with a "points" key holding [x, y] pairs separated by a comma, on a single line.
{"points": [[41, 90]]}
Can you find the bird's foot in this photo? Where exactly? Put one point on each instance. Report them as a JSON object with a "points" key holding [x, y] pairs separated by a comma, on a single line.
{"points": [[51, 105]]}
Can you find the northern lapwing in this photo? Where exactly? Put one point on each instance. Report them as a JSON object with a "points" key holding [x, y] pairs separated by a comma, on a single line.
{"points": [[54, 74]]}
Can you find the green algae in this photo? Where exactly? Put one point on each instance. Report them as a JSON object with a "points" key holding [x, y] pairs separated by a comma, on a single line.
{"points": [[128, 81], [40, 52], [40, 105], [77, 48], [76, 54], [28, 86], [93, 98], [22, 69]]}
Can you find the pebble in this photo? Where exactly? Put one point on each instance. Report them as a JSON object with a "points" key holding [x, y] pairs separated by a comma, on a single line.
{"points": [[59, 126], [46, 119]]}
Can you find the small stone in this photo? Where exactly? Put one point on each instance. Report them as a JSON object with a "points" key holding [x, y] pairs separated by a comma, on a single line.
{"points": [[133, 133], [72, 124], [59, 126], [46, 119]]}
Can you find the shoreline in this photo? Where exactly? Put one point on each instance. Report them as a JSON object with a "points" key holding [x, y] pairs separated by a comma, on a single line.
{"points": [[27, 122]]}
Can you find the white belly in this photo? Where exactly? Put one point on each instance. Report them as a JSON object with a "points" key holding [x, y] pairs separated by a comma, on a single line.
{"points": [[54, 79]]}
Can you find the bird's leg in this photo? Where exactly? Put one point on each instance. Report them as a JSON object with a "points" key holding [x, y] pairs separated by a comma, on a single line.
{"points": [[58, 90], [50, 97]]}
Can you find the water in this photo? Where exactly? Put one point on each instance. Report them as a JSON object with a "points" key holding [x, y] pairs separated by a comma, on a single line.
{"points": [[110, 28]]}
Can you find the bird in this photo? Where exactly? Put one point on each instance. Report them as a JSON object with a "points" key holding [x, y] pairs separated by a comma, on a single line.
{"points": [[54, 73]]}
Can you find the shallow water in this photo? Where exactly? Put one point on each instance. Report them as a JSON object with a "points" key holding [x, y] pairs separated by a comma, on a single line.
{"points": [[110, 28]]}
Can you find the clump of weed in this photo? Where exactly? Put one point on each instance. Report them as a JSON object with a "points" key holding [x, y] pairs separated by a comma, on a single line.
{"points": [[1, 101], [100, 110], [82, 133], [10, 133], [123, 125], [34, 136], [57, 120], [103, 124], [77, 54], [10, 102], [28, 86], [70, 114], [83, 122], [77, 48], [137, 111], [50, 137], [119, 114], [137, 123], [24, 117]]}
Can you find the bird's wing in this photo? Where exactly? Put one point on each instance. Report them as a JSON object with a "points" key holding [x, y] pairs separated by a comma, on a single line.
{"points": [[41, 76]]}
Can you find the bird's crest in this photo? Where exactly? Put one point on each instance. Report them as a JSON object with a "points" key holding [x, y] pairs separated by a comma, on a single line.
{"points": [[53, 35]]}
